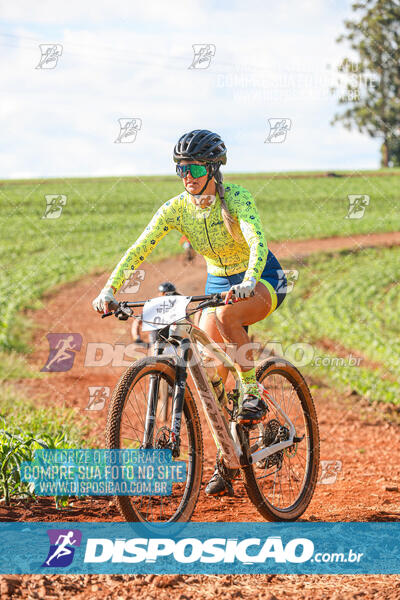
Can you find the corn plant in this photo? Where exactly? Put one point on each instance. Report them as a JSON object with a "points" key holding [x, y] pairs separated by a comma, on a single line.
{"points": [[17, 447]]}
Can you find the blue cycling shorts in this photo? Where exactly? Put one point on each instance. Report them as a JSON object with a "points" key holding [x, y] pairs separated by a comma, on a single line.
{"points": [[272, 277]]}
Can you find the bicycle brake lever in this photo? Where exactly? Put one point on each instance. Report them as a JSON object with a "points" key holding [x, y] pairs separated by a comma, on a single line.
{"points": [[123, 313], [114, 306]]}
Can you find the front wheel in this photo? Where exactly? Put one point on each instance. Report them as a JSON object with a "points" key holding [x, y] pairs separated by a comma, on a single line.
{"points": [[282, 485], [126, 426]]}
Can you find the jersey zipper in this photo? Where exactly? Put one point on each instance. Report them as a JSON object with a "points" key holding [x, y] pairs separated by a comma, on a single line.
{"points": [[209, 241]]}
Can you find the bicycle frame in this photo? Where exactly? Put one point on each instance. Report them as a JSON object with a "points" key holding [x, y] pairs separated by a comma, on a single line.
{"points": [[226, 439], [182, 375]]}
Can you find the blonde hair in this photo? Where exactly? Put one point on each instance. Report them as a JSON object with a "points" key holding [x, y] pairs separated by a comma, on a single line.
{"points": [[230, 221]]}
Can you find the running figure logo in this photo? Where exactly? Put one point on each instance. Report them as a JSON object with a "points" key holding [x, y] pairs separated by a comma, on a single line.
{"points": [[128, 129], [203, 54], [62, 351], [357, 205], [278, 129], [50, 53], [330, 470], [97, 397], [62, 547], [54, 205], [205, 202], [132, 282], [287, 279]]}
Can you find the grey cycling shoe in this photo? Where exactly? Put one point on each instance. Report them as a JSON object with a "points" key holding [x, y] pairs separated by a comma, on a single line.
{"points": [[252, 411], [219, 485], [220, 482]]}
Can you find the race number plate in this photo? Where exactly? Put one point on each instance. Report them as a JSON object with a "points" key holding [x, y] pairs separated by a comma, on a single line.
{"points": [[162, 311]]}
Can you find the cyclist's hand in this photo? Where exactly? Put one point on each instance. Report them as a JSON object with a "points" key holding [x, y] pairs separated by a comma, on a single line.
{"points": [[242, 290], [103, 299]]}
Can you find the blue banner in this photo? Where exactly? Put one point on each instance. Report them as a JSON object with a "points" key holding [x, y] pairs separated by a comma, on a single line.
{"points": [[88, 472], [213, 548]]}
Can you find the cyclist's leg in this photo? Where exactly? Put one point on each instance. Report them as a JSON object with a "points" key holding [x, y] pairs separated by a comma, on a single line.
{"points": [[136, 330], [208, 324], [231, 319], [269, 293], [212, 327]]}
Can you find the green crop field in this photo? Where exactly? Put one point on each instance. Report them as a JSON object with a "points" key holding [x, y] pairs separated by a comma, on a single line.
{"points": [[102, 217], [350, 300]]}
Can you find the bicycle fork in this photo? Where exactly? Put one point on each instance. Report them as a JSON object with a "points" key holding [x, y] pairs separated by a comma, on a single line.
{"points": [[151, 411], [178, 401], [179, 396]]}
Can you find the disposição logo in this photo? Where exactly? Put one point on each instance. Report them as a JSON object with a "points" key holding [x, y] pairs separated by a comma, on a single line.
{"points": [[191, 550], [62, 547]]}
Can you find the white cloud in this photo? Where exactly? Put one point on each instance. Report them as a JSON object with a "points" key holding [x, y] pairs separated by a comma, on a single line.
{"points": [[131, 60]]}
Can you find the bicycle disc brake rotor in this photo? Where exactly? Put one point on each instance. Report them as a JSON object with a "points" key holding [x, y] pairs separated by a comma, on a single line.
{"points": [[163, 438]]}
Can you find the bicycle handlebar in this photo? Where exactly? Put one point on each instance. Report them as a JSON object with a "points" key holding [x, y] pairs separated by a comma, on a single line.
{"points": [[122, 310], [218, 296]]}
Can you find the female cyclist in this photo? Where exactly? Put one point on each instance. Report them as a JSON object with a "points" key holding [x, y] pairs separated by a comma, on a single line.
{"points": [[221, 223]]}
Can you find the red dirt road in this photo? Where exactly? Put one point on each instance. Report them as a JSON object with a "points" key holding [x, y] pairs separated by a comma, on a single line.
{"points": [[297, 248], [367, 488]]}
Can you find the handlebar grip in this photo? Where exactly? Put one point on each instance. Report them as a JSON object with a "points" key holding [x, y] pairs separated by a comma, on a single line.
{"points": [[113, 305]]}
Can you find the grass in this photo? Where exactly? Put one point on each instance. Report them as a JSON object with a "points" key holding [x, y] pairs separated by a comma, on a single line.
{"points": [[22, 413], [102, 217], [25, 426], [351, 299]]}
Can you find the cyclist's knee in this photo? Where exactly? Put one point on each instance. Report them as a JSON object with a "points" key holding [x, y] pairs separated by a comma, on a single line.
{"points": [[207, 321], [229, 320]]}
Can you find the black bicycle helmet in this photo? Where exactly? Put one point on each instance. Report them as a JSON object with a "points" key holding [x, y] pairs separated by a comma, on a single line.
{"points": [[201, 145], [167, 288]]}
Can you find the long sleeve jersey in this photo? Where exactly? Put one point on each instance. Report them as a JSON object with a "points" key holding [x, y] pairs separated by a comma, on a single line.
{"points": [[206, 231]]}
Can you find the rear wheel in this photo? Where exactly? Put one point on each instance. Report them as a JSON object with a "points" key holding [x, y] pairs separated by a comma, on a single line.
{"points": [[125, 429], [282, 485]]}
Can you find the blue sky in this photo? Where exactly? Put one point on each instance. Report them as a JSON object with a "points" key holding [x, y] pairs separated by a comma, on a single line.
{"points": [[130, 60]]}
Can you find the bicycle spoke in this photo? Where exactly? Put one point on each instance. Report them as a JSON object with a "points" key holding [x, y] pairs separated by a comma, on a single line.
{"points": [[286, 485], [132, 432]]}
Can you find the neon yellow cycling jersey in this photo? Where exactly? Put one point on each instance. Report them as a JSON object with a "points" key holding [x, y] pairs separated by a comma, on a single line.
{"points": [[206, 231]]}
